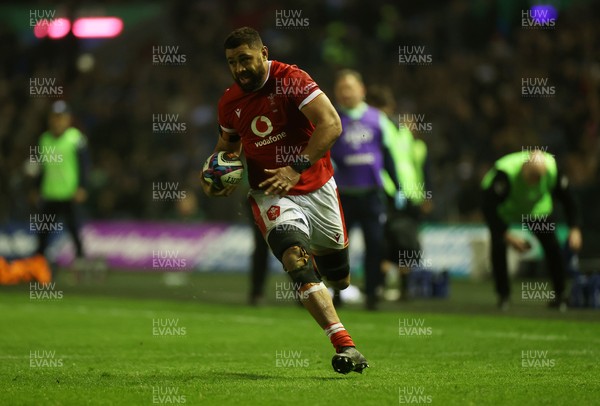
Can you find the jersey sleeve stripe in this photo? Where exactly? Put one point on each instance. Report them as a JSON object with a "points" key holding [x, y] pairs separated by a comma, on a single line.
{"points": [[310, 98], [228, 130]]}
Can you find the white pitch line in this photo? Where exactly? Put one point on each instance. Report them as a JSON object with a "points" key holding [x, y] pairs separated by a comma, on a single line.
{"points": [[532, 337], [520, 336]]}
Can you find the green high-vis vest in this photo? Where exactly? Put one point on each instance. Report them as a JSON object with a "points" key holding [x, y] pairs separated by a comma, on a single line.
{"points": [[60, 178], [523, 199], [409, 156]]}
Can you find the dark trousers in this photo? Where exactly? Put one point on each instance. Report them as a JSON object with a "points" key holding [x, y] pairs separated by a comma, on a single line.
{"points": [[66, 210], [552, 252], [260, 256], [368, 211]]}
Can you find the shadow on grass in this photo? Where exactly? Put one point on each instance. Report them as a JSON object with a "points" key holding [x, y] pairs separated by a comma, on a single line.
{"points": [[249, 376], [263, 377]]}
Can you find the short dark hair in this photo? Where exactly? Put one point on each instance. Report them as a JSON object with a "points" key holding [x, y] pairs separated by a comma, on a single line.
{"points": [[243, 36], [381, 97]]}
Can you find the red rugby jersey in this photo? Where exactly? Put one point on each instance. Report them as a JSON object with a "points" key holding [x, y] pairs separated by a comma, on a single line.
{"points": [[271, 126]]}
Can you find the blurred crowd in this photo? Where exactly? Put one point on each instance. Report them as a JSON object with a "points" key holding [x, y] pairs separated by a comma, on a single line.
{"points": [[470, 94]]}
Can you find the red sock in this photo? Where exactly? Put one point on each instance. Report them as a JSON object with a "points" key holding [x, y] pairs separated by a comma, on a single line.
{"points": [[339, 336]]}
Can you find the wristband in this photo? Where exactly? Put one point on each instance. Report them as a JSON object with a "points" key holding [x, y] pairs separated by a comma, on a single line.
{"points": [[301, 165]]}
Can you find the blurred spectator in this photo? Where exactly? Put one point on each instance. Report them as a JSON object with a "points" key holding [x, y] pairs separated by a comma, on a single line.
{"points": [[406, 206], [361, 155], [63, 160], [521, 188]]}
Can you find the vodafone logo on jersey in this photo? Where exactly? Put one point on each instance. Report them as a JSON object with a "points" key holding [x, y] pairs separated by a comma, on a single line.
{"points": [[261, 126]]}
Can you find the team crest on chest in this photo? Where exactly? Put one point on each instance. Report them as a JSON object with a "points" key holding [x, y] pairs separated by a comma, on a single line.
{"points": [[272, 104]]}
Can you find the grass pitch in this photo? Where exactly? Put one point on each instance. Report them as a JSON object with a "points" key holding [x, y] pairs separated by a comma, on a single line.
{"points": [[133, 341]]}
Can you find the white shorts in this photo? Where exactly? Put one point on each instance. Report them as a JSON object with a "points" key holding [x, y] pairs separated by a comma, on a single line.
{"points": [[318, 214]]}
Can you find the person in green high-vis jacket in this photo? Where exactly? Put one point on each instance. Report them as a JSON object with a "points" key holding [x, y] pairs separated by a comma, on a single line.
{"points": [[63, 159], [408, 203], [521, 188]]}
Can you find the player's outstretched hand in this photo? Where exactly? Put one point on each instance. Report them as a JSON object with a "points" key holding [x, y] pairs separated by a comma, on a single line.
{"points": [[281, 182], [210, 191]]}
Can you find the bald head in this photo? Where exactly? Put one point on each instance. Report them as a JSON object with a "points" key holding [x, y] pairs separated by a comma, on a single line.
{"points": [[534, 168]]}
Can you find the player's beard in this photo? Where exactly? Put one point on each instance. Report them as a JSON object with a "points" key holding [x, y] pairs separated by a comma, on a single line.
{"points": [[255, 79]]}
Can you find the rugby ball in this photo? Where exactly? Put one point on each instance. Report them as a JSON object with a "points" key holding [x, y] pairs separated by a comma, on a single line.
{"points": [[223, 169]]}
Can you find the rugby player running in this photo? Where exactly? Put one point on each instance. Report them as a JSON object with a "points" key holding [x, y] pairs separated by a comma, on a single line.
{"points": [[286, 126]]}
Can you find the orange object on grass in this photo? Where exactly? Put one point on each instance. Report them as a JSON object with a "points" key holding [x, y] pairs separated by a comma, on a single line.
{"points": [[25, 270]]}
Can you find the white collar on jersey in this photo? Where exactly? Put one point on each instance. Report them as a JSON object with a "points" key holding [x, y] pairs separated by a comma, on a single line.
{"points": [[268, 74]]}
